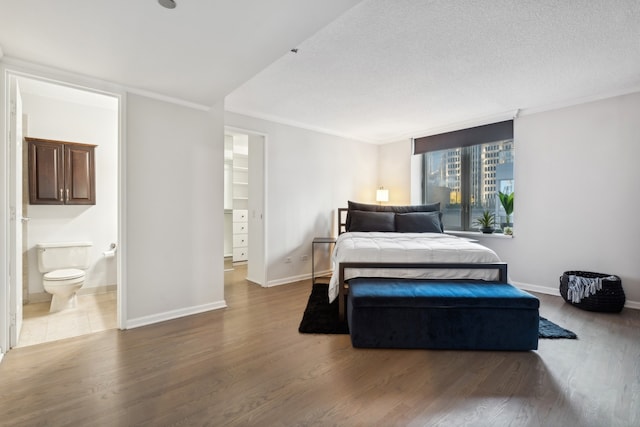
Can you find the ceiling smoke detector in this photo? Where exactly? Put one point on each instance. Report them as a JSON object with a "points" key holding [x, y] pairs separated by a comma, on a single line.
{"points": [[169, 4]]}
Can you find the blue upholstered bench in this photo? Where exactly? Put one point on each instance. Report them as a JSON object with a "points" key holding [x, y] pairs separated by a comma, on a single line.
{"points": [[465, 315]]}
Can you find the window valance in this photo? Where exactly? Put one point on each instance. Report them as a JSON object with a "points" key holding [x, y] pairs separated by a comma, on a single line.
{"points": [[465, 137]]}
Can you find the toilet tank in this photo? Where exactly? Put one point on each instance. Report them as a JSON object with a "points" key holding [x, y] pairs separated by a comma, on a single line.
{"points": [[59, 255]]}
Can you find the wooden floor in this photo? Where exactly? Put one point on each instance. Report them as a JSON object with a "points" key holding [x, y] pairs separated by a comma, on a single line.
{"points": [[248, 365]]}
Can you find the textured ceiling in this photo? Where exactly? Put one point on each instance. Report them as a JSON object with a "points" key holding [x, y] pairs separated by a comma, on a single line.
{"points": [[378, 71], [198, 52], [390, 69]]}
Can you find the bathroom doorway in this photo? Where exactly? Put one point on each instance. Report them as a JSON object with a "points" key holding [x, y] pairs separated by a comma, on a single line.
{"points": [[244, 204], [62, 112]]}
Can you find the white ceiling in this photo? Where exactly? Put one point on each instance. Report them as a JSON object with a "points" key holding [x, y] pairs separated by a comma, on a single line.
{"points": [[198, 52], [390, 69], [378, 72], [69, 94]]}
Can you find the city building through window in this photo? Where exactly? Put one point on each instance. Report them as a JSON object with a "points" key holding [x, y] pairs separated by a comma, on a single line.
{"points": [[467, 178]]}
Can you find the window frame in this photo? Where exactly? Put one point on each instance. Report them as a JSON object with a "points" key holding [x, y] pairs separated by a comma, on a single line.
{"points": [[466, 177]]}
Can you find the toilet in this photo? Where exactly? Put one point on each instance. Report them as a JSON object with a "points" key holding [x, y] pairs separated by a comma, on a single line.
{"points": [[63, 265]]}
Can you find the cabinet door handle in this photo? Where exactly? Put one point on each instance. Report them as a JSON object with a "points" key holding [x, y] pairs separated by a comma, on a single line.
{"points": [[67, 199], [61, 195]]}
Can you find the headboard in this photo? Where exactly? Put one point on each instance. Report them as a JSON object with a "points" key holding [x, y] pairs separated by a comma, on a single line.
{"points": [[426, 224], [342, 220]]}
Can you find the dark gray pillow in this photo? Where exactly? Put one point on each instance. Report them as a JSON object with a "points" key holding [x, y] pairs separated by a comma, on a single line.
{"points": [[372, 221], [431, 207], [419, 222], [355, 206]]}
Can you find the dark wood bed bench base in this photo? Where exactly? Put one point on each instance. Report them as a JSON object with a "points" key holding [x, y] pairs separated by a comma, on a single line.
{"points": [[344, 286]]}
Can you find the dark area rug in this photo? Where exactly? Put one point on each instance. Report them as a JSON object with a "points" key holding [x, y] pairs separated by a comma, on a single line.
{"points": [[548, 329], [321, 317]]}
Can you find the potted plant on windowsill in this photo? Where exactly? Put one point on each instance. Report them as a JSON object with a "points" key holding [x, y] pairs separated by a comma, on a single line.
{"points": [[507, 203], [486, 221]]}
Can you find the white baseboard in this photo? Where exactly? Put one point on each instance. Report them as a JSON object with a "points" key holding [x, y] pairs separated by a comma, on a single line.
{"points": [[287, 280], [174, 314], [97, 290], [292, 279], [255, 282], [37, 297], [556, 292], [632, 304], [536, 288]]}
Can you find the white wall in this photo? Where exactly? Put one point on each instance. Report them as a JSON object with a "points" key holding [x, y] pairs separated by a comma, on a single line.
{"points": [[56, 119], [577, 201], [174, 210], [309, 176], [394, 171]]}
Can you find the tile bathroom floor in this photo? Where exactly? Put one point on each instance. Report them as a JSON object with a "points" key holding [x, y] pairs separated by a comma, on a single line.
{"points": [[95, 312]]}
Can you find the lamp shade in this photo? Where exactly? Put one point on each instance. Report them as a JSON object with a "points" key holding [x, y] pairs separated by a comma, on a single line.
{"points": [[382, 195]]}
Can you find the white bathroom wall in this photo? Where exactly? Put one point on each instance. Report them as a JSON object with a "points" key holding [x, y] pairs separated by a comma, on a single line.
{"points": [[309, 176], [59, 119]]}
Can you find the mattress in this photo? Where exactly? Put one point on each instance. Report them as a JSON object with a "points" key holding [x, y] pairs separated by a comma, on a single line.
{"points": [[379, 247]]}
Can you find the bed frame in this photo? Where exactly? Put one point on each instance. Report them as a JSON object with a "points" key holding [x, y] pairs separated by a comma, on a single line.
{"points": [[342, 220], [343, 286]]}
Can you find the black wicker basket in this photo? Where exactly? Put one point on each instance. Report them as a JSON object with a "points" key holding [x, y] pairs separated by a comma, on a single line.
{"points": [[609, 299]]}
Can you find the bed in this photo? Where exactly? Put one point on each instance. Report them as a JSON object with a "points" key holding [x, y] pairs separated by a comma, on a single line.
{"points": [[404, 242]]}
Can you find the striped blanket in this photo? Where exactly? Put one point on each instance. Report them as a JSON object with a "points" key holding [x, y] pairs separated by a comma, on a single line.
{"points": [[580, 287]]}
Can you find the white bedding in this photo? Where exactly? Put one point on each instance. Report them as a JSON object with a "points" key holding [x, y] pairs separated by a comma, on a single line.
{"points": [[409, 248]]}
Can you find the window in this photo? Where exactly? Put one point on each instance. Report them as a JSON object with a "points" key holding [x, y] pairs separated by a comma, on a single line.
{"points": [[466, 179]]}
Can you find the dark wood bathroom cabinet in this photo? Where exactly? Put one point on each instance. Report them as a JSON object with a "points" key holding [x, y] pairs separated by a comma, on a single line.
{"points": [[61, 173]]}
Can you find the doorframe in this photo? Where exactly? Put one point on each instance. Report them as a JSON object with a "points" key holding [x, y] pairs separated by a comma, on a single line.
{"points": [[264, 280], [16, 213], [14, 68]]}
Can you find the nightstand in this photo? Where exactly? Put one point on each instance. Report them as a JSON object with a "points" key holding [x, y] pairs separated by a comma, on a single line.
{"points": [[318, 241]]}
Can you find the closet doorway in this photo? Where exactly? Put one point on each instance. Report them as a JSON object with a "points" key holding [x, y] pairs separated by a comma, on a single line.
{"points": [[244, 202]]}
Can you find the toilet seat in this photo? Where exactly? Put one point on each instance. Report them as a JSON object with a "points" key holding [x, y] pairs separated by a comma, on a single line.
{"points": [[64, 274], [62, 285]]}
